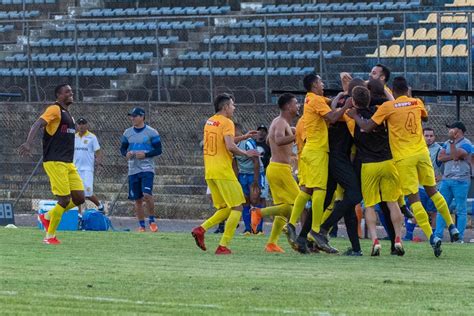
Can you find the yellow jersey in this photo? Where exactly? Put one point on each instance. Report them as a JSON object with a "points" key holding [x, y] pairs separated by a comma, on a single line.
{"points": [[316, 127], [217, 159], [405, 131]]}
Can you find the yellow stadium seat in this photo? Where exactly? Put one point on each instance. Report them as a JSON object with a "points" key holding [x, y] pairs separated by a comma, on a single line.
{"points": [[393, 51], [460, 34], [431, 51], [420, 34], [430, 19], [432, 34], [460, 51], [447, 50], [409, 51], [382, 49], [409, 34], [447, 33], [419, 51]]}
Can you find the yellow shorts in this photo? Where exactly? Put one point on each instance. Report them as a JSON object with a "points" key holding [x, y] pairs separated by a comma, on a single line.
{"points": [[316, 165], [282, 184], [226, 193], [63, 177], [301, 171], [415, 170], [380, 182]]}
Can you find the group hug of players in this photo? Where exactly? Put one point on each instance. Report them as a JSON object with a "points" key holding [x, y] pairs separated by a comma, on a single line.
{"points": [[390, 162]]}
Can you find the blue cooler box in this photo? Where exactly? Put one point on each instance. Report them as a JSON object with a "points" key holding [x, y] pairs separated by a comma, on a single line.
{"points": [[69, 221]]}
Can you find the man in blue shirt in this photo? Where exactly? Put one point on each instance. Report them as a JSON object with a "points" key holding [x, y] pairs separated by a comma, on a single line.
{"points": [[140, 143], [456, 155], [251, 174]]}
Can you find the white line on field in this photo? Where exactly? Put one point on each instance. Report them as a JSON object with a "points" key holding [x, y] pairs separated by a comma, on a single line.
{"points": [[10, 293], [127, 301]]}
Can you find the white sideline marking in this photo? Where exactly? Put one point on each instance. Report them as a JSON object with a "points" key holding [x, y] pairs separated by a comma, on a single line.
{"points": [[10, 293], [127, 301]]}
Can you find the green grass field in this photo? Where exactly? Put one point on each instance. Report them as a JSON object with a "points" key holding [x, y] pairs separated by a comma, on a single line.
{"points": [[165, 273]]}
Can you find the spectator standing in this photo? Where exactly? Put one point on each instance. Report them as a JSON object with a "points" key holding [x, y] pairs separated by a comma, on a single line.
{"points": [[456, 155]]}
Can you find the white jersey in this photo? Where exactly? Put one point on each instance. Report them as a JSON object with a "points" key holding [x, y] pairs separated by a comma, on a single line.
{"points": [[84, 151]]}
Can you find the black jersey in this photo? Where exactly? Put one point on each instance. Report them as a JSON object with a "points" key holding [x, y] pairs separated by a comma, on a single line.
{"points": [[60, 145]]}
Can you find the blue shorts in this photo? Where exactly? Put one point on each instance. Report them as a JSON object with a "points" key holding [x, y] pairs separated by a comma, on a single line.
{"points": [[246, 180], [426, 201], [139, 184]]}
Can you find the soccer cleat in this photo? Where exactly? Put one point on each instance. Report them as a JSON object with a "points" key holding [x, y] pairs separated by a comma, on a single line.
{"points": [[271, 247], [198, 234], [351, 253], [375, 250], [44, 221], [260, 233], [312, 246], [51, 241], [453, 233], [322, 242], [406, 212], [153, 227], [302, 245], [398, 247], [291, 235], [141, 229], [436, 245], [221, 250], [246, 233], [255, 218]]}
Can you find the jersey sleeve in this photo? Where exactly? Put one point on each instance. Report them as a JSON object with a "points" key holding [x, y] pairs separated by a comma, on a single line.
{"points": [[228, 128], [95, 144], [321, 107], [51, 114], [381, 114], [467, 147], [350, 124]]}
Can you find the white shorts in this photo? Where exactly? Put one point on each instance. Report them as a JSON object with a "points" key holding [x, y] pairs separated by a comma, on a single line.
{"points": [[87, 177]]}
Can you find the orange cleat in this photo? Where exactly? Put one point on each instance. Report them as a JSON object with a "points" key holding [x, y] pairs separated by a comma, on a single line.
{"points": [[271, 247], [44, 221], [255, 218], [153, 227], [198, 234], [221, 250], [51, 241], [141, 229]]}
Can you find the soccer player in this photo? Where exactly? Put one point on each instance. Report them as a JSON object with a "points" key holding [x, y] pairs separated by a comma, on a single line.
{"points": [[139, 145], [341, 171], [382, 73], [58, 154], [87, 153], [282, 184], [314, 158], [379, 177], [411, 156], [227, 195]]}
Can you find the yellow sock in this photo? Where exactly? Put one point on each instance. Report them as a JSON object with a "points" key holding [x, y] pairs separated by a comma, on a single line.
{"points": [[298, 207], [282, 210], [218, 217], [318, 208], [278, 224], [422, 218], [326, 214], [70, 205], [55, 215], [442, 207], [230, 227]]}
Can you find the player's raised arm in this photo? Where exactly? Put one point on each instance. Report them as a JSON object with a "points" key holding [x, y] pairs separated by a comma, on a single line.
{"points": [[232, 147]]}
